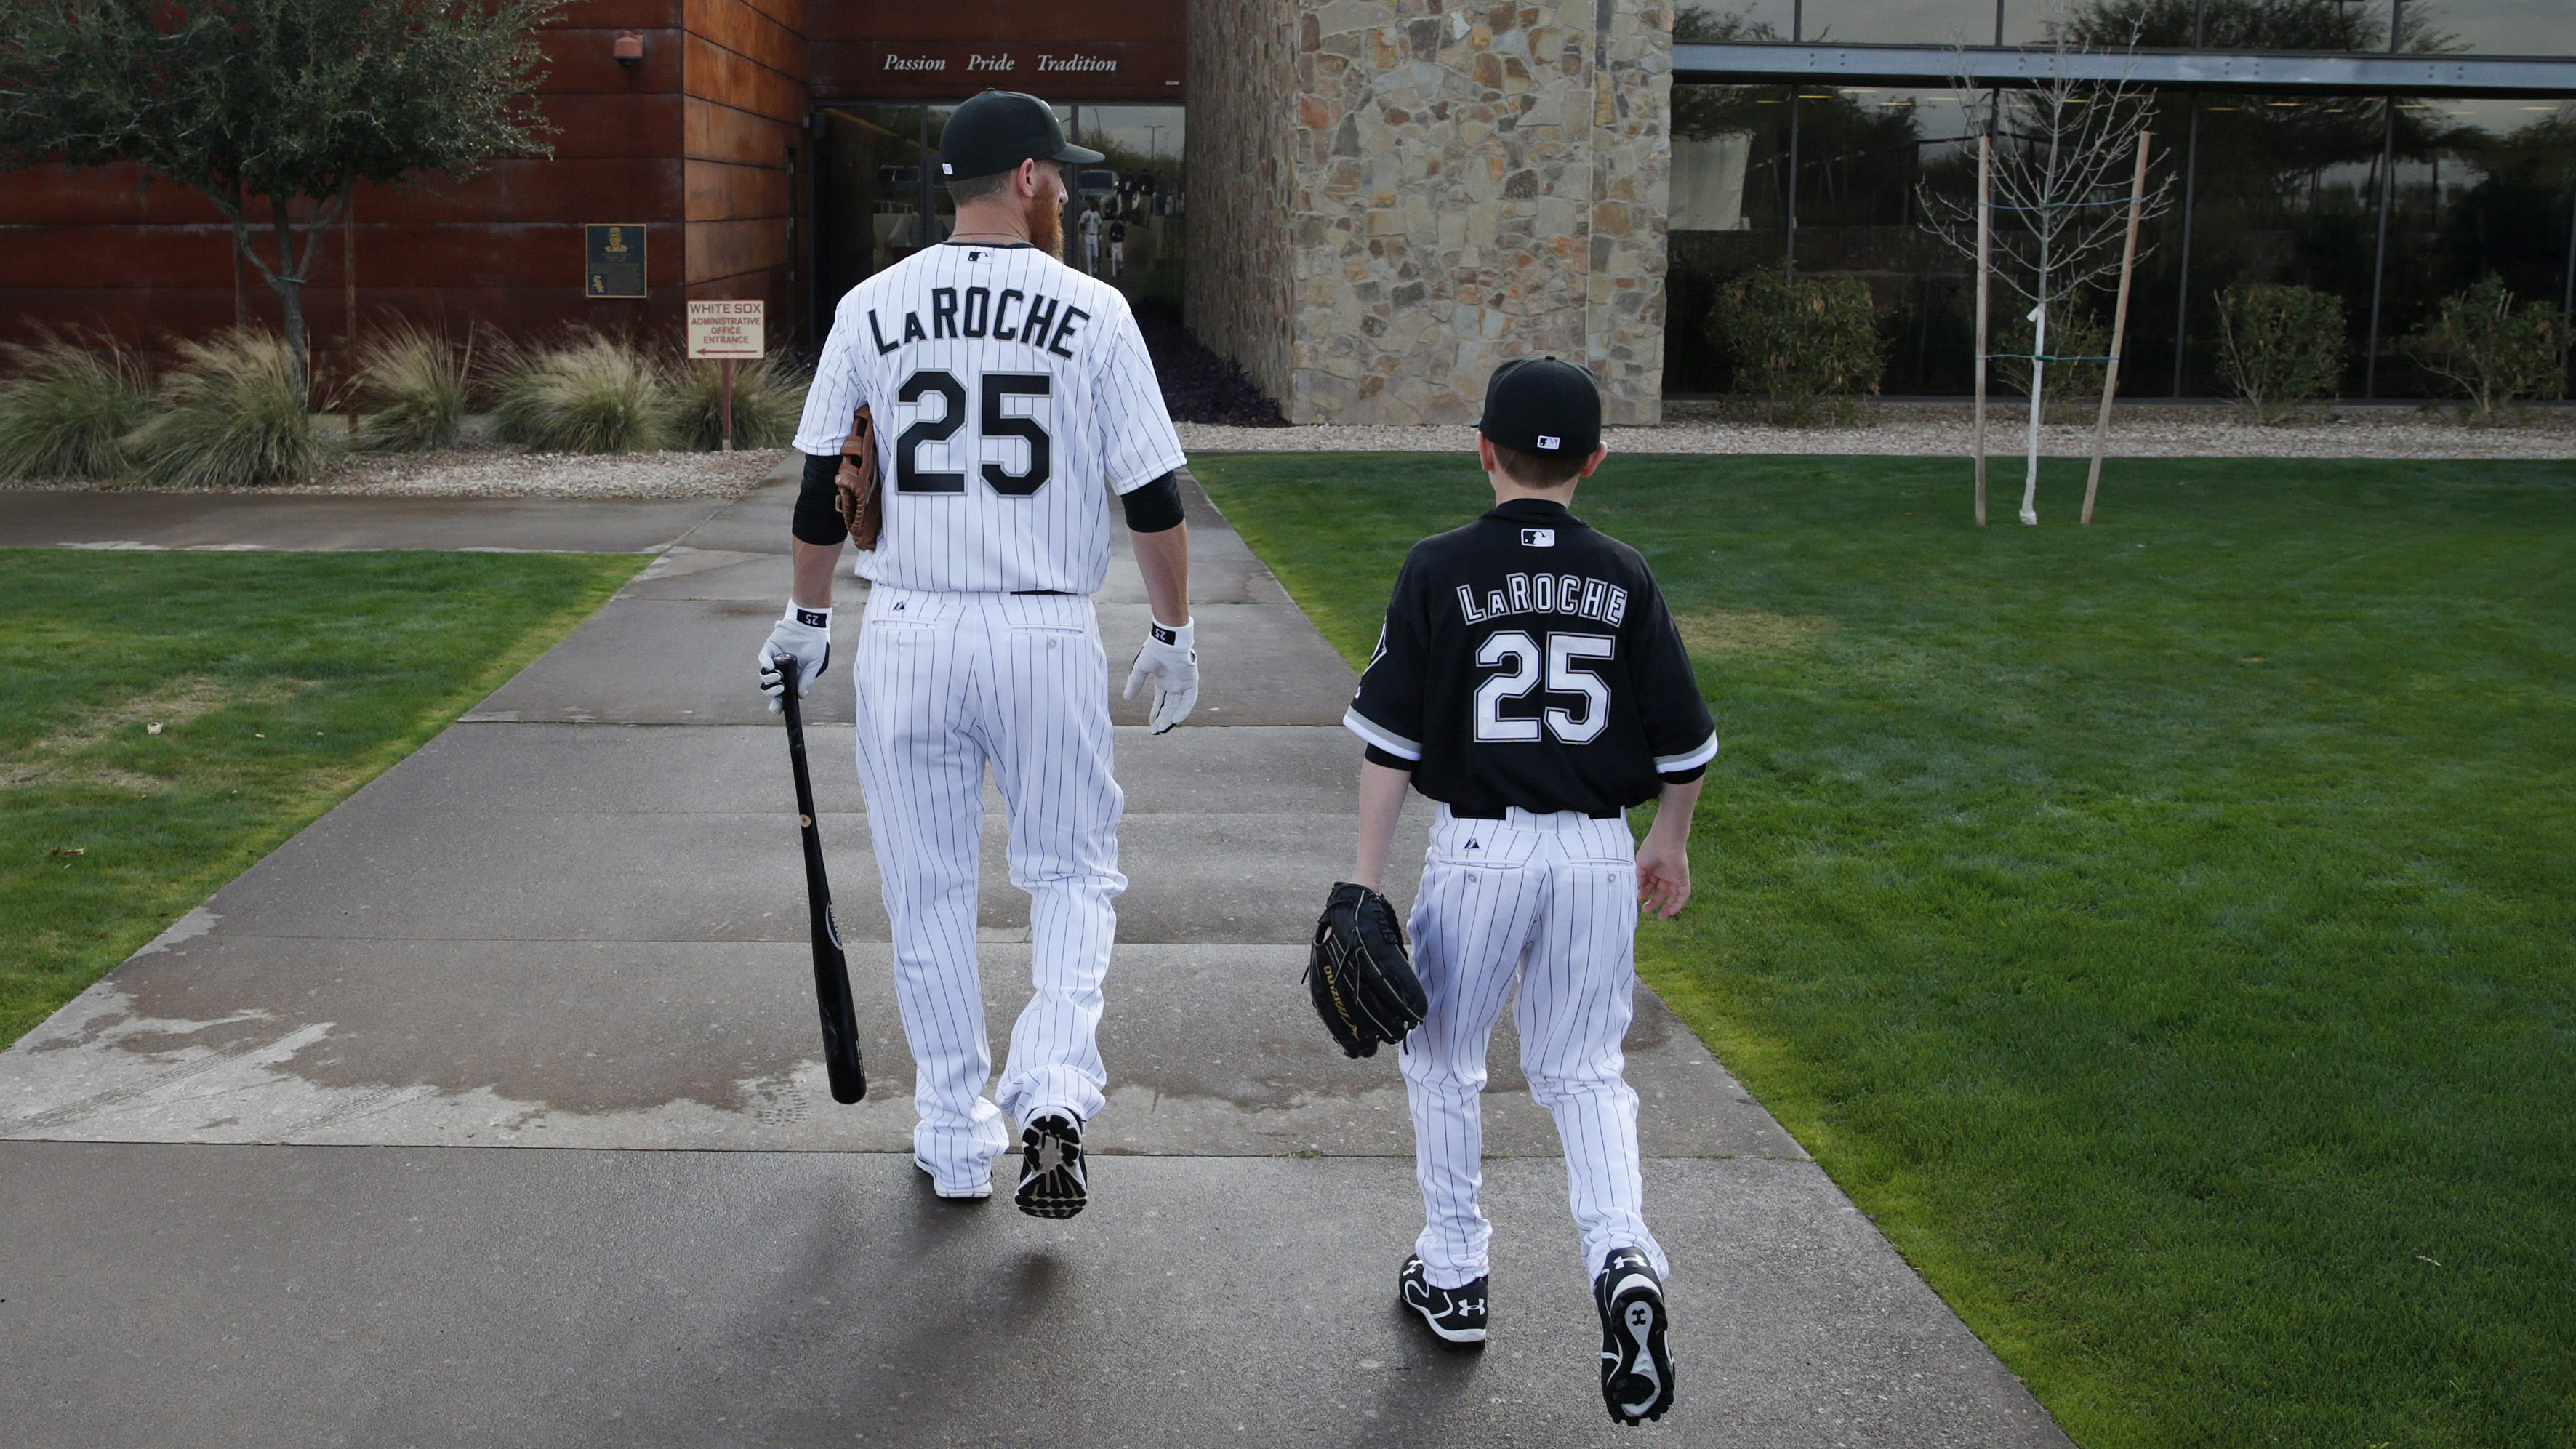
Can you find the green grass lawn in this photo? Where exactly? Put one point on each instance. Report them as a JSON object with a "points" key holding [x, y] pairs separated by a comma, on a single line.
{"points": [[279, 682], [2162, 929]]}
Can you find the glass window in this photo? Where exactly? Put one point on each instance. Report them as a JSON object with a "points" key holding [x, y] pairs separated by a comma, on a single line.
{"points": [[1860, 152], [2493, 27], [1137, 192], [879, 199]]}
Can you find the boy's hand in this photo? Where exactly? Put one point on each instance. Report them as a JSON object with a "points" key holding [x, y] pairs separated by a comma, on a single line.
{"points": [[1663, 876]]}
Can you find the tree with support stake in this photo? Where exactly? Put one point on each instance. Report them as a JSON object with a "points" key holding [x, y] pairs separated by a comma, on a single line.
{"points": [[2047, 219]]}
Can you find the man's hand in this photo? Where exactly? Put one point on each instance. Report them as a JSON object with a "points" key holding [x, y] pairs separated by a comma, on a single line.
{"points": [[805, 634], [1169, 661], [1663, 875]]}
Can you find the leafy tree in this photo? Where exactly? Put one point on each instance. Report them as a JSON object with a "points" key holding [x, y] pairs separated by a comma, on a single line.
{"points": [[272, 101]]}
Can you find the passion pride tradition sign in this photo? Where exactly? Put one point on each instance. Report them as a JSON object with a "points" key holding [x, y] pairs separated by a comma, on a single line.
{"points": [[952, 70]]}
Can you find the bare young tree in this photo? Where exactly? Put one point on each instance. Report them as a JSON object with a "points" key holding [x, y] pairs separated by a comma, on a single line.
{"points": [[2064, 161]]}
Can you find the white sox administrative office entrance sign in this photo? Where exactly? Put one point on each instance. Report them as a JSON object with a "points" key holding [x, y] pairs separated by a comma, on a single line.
{"points": [[727, 332]]}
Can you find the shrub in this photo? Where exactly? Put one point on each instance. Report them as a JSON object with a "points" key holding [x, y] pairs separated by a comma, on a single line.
{"points": [[230, 414], [2077, 337], [66, 413], [2495, 353], [2282, 347], [1804, 344], [411, 390], [768, 402], [589, 394]]}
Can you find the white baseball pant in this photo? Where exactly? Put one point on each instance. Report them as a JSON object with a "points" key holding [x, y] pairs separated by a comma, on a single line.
{"points": [[948, 683], [1549, 901]]}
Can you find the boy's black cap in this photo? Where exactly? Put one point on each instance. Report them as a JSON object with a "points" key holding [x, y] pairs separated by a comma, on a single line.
{"points": [[1544, 406], [998, 130]]}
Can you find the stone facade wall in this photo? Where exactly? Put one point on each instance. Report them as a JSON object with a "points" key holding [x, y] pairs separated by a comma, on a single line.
{"points": [[1464, 185], [1241, 85]]}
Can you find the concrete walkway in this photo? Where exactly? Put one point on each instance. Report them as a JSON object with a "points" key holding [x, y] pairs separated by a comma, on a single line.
{"points": [[575, 921]]}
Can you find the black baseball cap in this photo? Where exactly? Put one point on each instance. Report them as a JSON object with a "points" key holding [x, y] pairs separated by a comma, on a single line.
{"points": [[998, 130], [1544, 406]]}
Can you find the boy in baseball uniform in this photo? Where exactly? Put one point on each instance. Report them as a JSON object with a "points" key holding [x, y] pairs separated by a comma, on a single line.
{"points": [[1531, 681]]}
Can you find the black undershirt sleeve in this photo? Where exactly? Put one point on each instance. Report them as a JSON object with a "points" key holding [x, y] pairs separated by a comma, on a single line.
{"points": [[818, 516], [1156, 506]]}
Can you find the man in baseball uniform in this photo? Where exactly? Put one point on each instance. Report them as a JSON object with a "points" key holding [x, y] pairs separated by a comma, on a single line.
{"points": [[1005, 389], [1091, 241], [1530, 680]]}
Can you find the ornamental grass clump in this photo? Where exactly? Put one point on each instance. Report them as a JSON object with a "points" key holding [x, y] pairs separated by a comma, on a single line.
{"points": [[1807, 347], [230, 415], [2494, 353], [768, 401], [591, 393], [2282, 347], [412, 388], [67, 409]]}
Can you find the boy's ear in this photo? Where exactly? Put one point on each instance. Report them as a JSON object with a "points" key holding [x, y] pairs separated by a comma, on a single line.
{"points": [[1485, 452], [1599, 454]]}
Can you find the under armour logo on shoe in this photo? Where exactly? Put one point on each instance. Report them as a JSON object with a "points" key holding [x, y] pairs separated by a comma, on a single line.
{"points": [[1471, 845], [898, 608]]}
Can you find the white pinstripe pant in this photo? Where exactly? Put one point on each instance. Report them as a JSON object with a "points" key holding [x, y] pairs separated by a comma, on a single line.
{"points": [[1549, 900], [948, 682]]}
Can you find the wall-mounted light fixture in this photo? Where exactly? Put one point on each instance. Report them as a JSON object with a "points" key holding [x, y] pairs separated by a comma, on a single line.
{"points": [[629, 49]]}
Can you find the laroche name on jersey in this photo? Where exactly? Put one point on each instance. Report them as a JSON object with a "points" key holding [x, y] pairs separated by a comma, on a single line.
{"points": [[1569, 594], [1042, 321]]}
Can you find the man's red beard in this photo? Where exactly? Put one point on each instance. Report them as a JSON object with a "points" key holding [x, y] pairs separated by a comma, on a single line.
{"points": [[1046, 228]]}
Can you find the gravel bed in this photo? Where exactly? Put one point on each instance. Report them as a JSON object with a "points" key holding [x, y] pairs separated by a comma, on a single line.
{"points": [[501, 472], [1898, 429], [1941, 430]]}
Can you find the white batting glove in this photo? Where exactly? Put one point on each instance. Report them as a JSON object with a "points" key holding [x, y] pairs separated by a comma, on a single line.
{"points": [[806, 635], [1173, 665]]}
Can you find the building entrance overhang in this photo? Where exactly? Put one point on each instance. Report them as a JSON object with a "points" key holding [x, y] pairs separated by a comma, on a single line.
{"points": [[1983, 66]]}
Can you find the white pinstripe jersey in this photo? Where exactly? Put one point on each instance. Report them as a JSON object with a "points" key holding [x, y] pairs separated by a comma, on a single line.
{"points": [[1006, 387]]}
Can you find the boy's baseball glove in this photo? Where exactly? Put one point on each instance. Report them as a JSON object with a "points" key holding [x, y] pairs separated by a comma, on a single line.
{"points": [[862, 507], [1363, 984]]}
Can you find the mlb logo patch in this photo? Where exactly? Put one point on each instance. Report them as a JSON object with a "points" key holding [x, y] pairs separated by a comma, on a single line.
{"points": [[1550, 442], [947, 170], [1538, 538]]}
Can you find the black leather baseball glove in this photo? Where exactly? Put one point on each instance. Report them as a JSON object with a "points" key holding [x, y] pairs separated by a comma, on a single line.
{"points": [[1363, 983]]}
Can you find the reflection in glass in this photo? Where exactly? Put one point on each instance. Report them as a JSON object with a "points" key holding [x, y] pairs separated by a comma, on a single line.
{"points": [[879, 198]]}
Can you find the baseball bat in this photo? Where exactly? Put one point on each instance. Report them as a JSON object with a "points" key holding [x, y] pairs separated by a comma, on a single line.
{"points": [[831, 968]]}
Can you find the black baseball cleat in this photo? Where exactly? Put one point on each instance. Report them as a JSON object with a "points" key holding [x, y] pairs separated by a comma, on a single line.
{"points": [[1456, 1314], [1052, 1182], [1636, 1373]]}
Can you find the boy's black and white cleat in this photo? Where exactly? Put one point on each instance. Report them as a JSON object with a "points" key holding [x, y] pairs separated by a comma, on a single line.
{"points": [[1053, 1183], [1457, 1315], [1636, 1372]]}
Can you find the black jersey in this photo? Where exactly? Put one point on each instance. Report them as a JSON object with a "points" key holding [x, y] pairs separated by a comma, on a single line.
{"points": [[1528, 660]]}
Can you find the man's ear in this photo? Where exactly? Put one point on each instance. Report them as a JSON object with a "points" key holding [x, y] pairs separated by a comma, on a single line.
{"points": [[1599, 454], [1485, 452]]}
